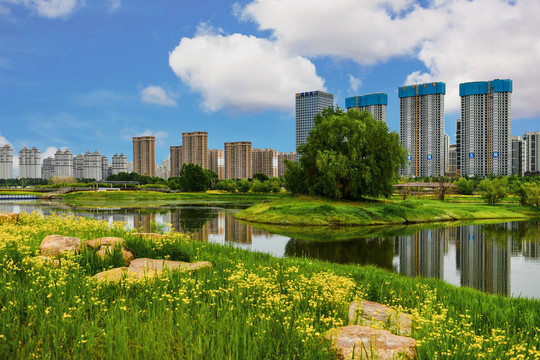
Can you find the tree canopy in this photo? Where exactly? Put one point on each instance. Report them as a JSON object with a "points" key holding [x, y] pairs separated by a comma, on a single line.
{"points": [[347, 155]]}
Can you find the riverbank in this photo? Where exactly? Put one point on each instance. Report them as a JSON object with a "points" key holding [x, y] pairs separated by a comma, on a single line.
{"points": [[250, 305], [134, 199], [303, 210]]}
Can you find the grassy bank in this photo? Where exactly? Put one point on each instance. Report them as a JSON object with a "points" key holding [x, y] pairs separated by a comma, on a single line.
{"points": [[315, 211], [136, 199], [249, 306]]}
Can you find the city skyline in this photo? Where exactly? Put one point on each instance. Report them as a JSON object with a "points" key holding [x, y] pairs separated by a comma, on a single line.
{"points": [[231, 68]]}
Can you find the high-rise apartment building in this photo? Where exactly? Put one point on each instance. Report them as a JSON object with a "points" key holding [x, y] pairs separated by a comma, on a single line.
{"points": [[532, 151], [216, 158], [458, 146], [106, 169], [92, 165], [63, 163], [265, 162], [446, 150], [119, 163], [47, 168], [6, 162], [144, 155], [421, 123], [281, 163], [78, 166], [177, 160], [29, 163], [375, 104], [519, 155], [163, 170], [238, 162], [485, 127], [309, 104], [452, 160], [195, 148]]}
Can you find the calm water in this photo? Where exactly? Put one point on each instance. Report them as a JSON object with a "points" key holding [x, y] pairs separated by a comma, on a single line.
{"points": [[501, 258]]}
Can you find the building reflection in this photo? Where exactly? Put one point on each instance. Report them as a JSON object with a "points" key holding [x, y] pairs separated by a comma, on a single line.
{"points": [[422, 254], [485, 260], [236, 231]]}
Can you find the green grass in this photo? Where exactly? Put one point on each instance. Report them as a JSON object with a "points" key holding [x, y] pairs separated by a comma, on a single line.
{"points": [[136, 199], [249, 306], [302, 211]]}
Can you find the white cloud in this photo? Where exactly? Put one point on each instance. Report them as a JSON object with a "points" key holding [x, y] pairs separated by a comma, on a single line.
{"points": [[242, 72], [51, 9], [159, 135], [154, 94], [50, 151], [457, 40], [355, 83], [114, 5]]}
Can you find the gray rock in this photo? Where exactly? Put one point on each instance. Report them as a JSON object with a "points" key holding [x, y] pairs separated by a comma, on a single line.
{"points": [[362, 342], [370, 313], [54, 245]]}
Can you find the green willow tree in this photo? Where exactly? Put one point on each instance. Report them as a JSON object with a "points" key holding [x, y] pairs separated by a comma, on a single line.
{"points": [[347, 155]]}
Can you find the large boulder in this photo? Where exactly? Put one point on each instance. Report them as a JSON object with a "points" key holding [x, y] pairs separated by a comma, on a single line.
{"points": [[362, 342], [115, 274], [111, 241], [54, 245], [9, 218], [107, 250], [373, 314]]}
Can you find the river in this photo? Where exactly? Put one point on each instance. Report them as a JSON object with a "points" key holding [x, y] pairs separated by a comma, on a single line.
{"points": [[496, 257]]}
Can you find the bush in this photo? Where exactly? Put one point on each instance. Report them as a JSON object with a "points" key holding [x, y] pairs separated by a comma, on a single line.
{"points": [[493, 190], [465, 187]]}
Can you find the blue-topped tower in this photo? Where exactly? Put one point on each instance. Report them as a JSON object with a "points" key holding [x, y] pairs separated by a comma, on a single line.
{"points": [[309, 104], [486, 115], [375, 104], [421, 124]]}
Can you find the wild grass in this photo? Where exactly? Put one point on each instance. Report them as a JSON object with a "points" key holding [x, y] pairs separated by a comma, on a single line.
{"points": [[316, 211], [248, 306]]}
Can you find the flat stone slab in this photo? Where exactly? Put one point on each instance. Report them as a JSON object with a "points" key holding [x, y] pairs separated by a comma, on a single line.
{"points": [[362, 342], [140, 268], [9, 218], [111, 241], [370, 313], [54, 245]]}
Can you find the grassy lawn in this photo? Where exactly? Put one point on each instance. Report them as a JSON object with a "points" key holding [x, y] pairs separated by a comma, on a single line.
{"points": [[316, 211], [248, 306]]}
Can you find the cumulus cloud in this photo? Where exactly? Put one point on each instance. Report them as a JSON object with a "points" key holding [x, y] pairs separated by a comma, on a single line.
{"points": [[355, 83], [51, 9], [242, 72], [154, 94], [114, 5], [456, 40]]}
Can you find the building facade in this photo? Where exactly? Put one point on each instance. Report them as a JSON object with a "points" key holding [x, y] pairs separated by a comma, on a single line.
{"points": [[78, 166], [216, 158], [532, 151], [282, 156], [144, 155], [421, 122], [48, 168], [519, 155], [92, 166], [195, 148], [265, 162], [177, 160], [119, 163], [6, 162], [29, 163], [106, 168], [238, 160], [452, 160], [63, 163], [309, 104], [375, 104], [486, 127]]}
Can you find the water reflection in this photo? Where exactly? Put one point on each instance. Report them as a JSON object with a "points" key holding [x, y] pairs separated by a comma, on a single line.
{"points": [[499, 258]]}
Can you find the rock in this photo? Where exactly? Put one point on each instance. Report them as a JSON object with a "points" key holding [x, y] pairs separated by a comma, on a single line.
{"points": [[115, 274], [107, 250], [9, 218], [371, 313], [96, 243], [42, 260], [144, 266], [54, 245], [369, 343]]}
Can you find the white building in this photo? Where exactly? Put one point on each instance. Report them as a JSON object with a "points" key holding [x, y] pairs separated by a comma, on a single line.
{"points": [[106, 169], [532, 151], [92, 165], [6, 162], [519, 155], [48, 168], [421, 123], [29, 163], [119, 164], [485, 146], [78, 166], [63, 163], [375, 104]]}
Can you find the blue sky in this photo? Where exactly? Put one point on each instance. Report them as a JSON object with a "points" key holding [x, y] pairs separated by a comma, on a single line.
{"points": [[90, 75]]}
